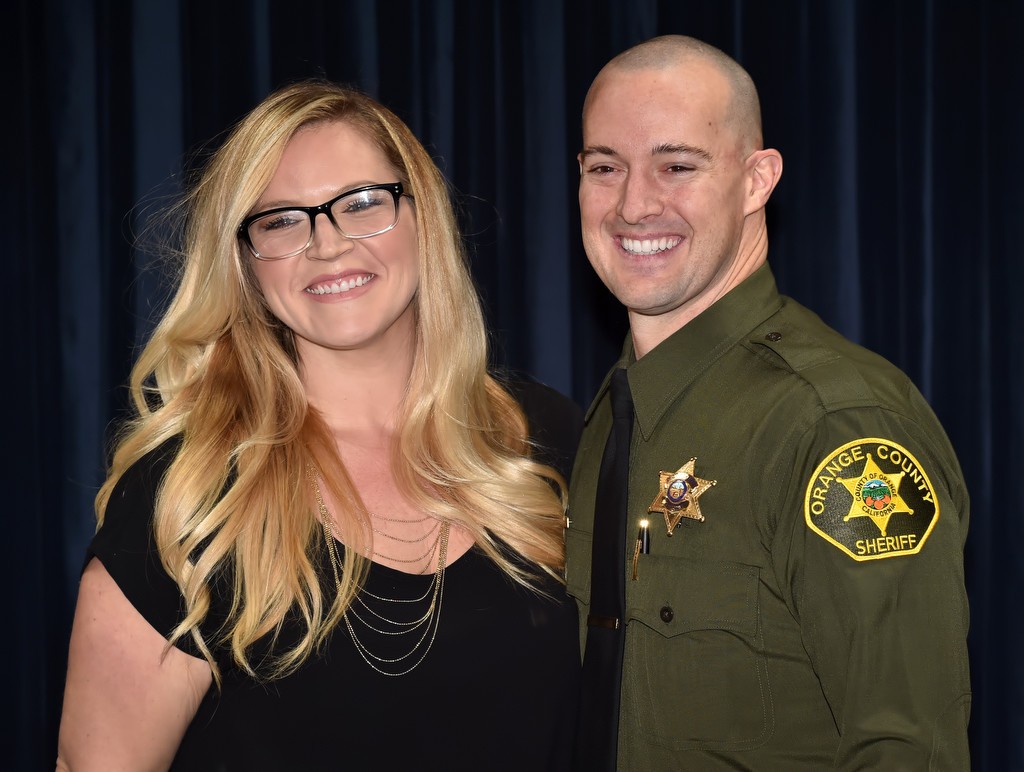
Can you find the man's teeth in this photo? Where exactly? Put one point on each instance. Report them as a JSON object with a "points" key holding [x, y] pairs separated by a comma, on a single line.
{"points": [[344, 285], [649, 246]]}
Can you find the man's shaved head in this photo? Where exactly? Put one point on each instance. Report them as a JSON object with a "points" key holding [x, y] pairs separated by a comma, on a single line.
{"points": [[671, 51]]}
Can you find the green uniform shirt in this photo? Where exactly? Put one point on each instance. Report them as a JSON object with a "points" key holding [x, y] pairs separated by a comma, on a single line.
{"points": [[817, 617]]}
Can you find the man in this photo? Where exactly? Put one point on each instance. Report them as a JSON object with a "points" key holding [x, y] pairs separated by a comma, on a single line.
{"points": [[794, 597]]}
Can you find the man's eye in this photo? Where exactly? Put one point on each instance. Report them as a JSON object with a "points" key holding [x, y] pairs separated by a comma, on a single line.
{"points": [[680, 168], [600, 169]]}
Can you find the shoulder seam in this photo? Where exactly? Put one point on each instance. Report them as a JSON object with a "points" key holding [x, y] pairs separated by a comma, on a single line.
{"points": [[834, 378]]}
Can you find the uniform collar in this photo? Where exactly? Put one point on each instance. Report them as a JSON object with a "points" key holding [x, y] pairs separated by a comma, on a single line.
{"points": [[657, 379]]}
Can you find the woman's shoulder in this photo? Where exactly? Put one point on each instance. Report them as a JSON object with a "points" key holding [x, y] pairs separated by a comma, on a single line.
{"points": [[124, 542], [125, 535], [137, 487], [554, 421]]}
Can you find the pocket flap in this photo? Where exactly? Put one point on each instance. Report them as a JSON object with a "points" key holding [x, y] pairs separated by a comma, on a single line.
{"points": [[674, 596]]}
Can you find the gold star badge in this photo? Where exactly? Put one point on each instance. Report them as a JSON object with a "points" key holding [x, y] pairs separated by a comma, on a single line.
{"points": [[678, 495], [875, 495]]}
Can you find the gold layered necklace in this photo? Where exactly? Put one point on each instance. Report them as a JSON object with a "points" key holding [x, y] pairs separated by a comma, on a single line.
{"points": [[435, 531], [425, 624]]}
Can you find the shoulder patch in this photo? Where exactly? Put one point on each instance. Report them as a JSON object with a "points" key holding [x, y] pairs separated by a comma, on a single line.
{"points": [[871, 499]]}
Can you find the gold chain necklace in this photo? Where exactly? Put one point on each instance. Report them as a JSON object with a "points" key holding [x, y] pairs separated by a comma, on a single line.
{"points": [[417, 540], [404, 521], [423, 519], [429, 621], [418, 558]]}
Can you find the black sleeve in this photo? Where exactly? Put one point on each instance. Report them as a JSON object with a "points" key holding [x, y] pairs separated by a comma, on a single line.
{"points": [[125, 547]]}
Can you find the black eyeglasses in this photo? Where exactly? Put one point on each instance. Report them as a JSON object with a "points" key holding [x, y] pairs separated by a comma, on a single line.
{"points": [[356, 214]]}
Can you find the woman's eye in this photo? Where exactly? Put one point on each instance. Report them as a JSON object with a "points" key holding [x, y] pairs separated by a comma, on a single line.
{"points": [[280, 221], [361, 204]]}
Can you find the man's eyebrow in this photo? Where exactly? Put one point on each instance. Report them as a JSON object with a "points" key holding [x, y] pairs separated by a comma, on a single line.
{"points": [[666, 148], [596, 150], [681, 149]]}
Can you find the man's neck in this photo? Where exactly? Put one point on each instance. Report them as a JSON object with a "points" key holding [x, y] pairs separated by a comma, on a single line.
{"points": [[649, 330]]}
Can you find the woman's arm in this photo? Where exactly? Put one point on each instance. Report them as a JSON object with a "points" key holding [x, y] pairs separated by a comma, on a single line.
{"points": [[127, 704]]}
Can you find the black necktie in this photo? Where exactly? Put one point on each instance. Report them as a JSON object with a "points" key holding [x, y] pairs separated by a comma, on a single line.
{"points": [[597, 740]]}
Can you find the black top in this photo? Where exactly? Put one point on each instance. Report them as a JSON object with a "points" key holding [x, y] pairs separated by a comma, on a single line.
{"points": [[497, 690]]}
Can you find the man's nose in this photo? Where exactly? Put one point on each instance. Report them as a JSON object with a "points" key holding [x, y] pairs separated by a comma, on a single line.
{"points": [[640, 198]]}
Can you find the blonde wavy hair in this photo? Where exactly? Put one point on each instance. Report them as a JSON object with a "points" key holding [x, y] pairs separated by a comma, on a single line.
{"points": [[220, 374]]}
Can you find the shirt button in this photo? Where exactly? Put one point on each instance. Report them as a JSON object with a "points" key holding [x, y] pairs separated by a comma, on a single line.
{"points": [[666, 614], [773, 336]]}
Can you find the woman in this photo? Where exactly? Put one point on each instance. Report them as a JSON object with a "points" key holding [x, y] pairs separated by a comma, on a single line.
{"points": [[327, 541]]}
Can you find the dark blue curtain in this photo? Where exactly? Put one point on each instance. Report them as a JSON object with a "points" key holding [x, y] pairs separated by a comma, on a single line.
{"points": [[896, 219]]}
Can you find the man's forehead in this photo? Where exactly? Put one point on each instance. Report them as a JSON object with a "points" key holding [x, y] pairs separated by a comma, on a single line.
{"points": [[657, 111], [648, 92], [691, 75]]}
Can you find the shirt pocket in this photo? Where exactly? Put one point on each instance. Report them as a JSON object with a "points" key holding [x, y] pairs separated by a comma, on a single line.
{"points": [[695, 673]]}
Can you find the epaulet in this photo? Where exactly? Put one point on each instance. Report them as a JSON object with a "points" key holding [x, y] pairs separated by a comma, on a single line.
{"points": [[834, 377]]}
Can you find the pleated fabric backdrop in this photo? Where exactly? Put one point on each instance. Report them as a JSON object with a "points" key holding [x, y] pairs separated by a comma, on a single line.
{"points": [[897, 219]]}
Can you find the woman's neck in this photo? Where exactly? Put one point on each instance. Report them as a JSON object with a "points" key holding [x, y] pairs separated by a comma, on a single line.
{"points": [[358, 393]]}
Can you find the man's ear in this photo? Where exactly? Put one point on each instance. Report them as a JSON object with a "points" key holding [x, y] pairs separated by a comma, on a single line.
{"points": [[764, 168]]}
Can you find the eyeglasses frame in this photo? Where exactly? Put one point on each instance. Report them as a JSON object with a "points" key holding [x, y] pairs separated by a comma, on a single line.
{"points": [[396, 189]]}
